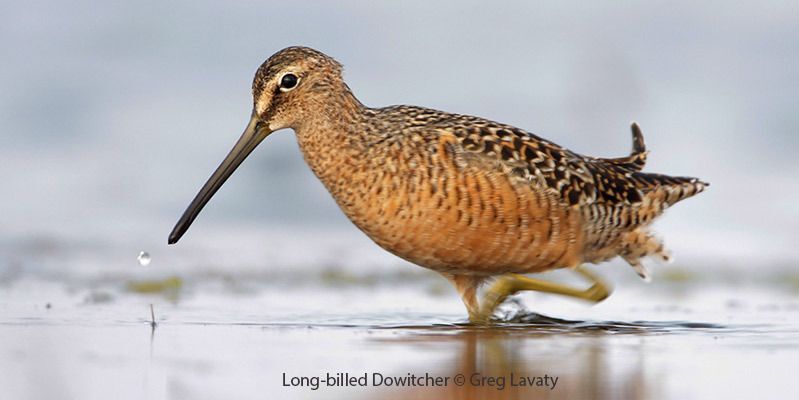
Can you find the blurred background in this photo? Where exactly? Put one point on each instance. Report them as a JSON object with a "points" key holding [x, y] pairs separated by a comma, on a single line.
{"points": [[113, 114]]}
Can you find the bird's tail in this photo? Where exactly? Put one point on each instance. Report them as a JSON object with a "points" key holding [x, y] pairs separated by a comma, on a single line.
{"points": [[669, 189]]}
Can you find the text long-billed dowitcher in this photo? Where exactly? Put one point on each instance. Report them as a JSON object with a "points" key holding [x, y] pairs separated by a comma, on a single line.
{"points": [[464, 196]]}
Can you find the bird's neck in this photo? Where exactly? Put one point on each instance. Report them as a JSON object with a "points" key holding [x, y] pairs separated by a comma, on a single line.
{"points": [[335, 138]]}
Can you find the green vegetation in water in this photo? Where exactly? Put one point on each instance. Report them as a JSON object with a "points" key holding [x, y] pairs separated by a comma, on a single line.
{"points": [[169, 287], [340, 277], [789, 279], [678, 275]]}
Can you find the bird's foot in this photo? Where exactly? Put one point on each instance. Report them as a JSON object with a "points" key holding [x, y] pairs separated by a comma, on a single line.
{"points": [[493, 297]]}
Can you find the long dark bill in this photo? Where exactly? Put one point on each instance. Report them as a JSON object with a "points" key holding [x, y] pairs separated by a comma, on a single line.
{"points": [[251, 137]]}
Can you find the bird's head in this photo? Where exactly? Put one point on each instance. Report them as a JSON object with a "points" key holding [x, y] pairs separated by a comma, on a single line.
{"points": [[291, 84], [288, 89]]}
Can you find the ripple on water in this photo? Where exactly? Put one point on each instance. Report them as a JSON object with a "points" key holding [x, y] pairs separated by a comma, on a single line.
{"points": [[523, 322]]}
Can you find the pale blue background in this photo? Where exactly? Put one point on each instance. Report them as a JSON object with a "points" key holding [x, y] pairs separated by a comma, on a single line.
{"points": [[112, 114]]}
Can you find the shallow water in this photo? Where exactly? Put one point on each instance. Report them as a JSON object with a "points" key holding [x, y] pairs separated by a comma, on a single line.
{"points": [[215, 341]]}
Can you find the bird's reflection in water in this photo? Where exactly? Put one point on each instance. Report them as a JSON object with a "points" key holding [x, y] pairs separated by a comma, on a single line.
{"points": [[588, 362]]}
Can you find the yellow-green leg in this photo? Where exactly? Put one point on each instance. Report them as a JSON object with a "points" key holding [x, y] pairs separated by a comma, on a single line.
{"points": [[513, 283]]}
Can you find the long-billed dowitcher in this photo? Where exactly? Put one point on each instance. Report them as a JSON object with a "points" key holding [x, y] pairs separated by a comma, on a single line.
{"points": [[464, 196]]}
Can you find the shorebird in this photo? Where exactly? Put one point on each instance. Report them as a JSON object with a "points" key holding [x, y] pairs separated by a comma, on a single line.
{"points": [[476, 200]]}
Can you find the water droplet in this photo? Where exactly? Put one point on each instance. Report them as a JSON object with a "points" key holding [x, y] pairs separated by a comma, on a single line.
{"points": [[144, 258]]}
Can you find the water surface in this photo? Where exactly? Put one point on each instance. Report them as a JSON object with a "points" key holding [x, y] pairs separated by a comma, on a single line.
{"points": [[214, 339]]}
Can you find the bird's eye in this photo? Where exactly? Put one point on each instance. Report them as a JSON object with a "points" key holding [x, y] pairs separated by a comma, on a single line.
{"points": [[288, 82]]}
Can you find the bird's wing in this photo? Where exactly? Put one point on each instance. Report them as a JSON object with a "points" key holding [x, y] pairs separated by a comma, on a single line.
{"points": [[578, 180]]}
